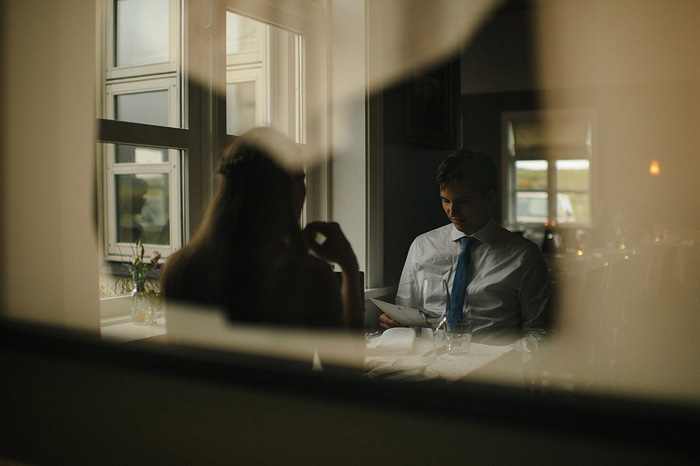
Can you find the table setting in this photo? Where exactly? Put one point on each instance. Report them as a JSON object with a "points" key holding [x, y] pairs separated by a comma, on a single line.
{"points": [[396, 355]]}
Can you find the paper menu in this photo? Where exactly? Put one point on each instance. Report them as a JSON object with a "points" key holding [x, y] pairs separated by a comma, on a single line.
{"points": [[404, 315]]}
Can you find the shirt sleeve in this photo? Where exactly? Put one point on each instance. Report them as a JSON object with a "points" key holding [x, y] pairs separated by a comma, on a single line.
{"points": [[408, 293]]}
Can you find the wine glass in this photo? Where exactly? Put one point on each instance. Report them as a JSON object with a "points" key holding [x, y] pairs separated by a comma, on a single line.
{"points": [[435, 299]]}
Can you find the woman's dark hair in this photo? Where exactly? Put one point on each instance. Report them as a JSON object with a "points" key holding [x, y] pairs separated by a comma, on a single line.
{"points": [[250, 235], [472, 168]]}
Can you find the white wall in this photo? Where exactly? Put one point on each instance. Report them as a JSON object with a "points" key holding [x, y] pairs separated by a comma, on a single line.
{"points": [[48, 243], [348, 187]]}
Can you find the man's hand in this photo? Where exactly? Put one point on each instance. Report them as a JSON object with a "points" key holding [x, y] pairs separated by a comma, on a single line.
{"points": [[387, 322]]}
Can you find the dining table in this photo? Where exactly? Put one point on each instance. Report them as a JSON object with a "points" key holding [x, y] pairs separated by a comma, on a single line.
{"points": [[424, 359]]}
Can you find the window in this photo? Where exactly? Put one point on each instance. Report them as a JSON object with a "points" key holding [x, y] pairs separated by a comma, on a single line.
{"points": [[263, 65], [141, 195], [180, 80], [548, 167]]}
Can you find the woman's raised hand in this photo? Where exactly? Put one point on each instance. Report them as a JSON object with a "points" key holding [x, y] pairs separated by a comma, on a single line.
{"points": [[327, 241]]}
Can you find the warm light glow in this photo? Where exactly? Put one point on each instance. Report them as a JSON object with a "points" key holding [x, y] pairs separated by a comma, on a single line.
{"points": [[654, 168], [622, 246], [579, 252]]}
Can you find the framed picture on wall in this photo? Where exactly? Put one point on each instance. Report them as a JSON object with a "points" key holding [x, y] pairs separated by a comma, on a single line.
{"points": [[430, 112]]}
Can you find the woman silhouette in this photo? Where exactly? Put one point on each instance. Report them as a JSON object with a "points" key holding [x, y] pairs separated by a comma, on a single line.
{"points": [[250, 256]]}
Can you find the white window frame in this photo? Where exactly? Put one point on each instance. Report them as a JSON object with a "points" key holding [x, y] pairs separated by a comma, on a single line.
{"points": [[133, 80], [119, 251], [251, 66], [114, 72], [256, 76], [244, 58], [551, 155], [200, 135], [302, 18], [137, 86]]}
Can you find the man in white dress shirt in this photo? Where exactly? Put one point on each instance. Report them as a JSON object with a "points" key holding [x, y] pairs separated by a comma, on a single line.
{"points": [[508, 287]]}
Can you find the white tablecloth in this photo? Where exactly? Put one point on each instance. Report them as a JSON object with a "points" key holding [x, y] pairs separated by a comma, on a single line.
{"points": [[420, 363]]}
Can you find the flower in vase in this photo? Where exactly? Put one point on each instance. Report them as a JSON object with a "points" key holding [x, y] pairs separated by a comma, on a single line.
{"points": [[139, 269]]}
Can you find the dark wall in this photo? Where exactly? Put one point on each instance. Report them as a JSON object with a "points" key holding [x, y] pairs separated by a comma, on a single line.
{"points": [[481, 115], [411, 198]]}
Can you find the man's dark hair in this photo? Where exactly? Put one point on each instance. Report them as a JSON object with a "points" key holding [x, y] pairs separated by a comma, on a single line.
{"points": [[473, 168]]}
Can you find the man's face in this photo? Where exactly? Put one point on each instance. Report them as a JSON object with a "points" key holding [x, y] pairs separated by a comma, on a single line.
{"points": [[467, 209]]}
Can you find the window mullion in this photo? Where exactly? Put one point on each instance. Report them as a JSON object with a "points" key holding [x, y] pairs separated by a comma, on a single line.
{"points": [[552, 188], [124, 132]]}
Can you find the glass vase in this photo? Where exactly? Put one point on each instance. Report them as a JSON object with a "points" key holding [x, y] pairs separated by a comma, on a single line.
{"points": [[144, 308]]}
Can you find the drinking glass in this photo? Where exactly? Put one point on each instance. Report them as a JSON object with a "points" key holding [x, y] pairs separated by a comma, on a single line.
{"points": [[458, 336], [434, 304]]}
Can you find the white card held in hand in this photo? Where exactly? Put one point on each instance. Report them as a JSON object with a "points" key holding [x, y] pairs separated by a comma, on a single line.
{"points": [[404, 315]]}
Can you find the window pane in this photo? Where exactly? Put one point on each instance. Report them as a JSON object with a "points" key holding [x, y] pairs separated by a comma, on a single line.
{"points": [[240, 107], [531, 174], [241, 34], [573, 174], [263, 76], [573, 207], [531, 207], [133, 154], [150, 107], [143, 32], [143, 206]]}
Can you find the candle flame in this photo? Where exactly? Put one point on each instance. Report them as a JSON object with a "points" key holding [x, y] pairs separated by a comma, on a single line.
{"points": [[654, 168]]}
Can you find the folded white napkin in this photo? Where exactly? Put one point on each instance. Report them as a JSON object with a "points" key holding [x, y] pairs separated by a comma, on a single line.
{"points": [[397, 339]]}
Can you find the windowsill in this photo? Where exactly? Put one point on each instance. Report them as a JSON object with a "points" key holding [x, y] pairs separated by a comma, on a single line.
{"points": [[122, 330], [106, 322], [379, 292], [116, 324]]}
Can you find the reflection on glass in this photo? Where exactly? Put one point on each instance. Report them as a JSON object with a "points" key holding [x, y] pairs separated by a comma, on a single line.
{"points": [[532, 202], [531, 174], [134, 154], [573, 184], [149, 108], [241, 34], [142, 32], [240, 107], [263, 76], [143, 207], [574, 207], [531, 207], [573, 174]]}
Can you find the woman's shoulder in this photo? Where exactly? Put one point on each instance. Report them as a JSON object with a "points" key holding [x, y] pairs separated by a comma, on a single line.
{"points": [[305, 272], [313, 296], [316, 268], [182, 273]]}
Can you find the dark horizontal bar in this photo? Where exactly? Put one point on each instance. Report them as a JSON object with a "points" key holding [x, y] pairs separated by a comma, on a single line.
{"points": [[123, 132], [612, 419]]}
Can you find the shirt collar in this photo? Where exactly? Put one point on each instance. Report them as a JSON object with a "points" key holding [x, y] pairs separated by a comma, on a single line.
{"points": [[485, 234]]}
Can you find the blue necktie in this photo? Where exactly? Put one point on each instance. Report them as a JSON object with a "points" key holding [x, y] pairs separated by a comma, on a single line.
{"points": [[459, 286]]}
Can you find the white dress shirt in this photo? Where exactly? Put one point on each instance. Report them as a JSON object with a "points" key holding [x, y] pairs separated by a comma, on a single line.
{"points": [[508, 286]]}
